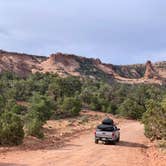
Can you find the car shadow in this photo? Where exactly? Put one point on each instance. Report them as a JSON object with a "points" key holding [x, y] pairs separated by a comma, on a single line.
{"points": [[131, 144], [127, 144]]}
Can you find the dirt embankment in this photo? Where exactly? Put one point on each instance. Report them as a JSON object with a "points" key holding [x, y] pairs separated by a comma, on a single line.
{"points": [[70, 142]]}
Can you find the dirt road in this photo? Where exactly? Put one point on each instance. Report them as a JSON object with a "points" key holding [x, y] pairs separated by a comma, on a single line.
{"points": [[82, 151]]}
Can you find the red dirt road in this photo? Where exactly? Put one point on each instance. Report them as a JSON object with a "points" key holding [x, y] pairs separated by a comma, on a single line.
{"points": [[82, 151]]}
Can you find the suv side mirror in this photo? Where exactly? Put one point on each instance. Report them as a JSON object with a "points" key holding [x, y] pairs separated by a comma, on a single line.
{"points": [[118, 128]]}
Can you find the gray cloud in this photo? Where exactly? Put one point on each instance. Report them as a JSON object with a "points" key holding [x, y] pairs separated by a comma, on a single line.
{"points": [[3, 32], [115, 31]]}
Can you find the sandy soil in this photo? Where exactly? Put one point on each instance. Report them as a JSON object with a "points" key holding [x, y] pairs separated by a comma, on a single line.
{"points": [[82, 151]]}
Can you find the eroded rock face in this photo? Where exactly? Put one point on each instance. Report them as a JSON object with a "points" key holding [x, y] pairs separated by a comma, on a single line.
{"points": [[21, 64], [69, 64], [150, 71], [62, 64]]}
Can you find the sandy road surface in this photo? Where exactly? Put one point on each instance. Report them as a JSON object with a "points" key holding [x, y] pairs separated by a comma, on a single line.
{"points": [[82, 151]]}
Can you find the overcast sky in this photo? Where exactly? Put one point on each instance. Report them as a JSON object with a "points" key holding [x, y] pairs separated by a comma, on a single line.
{"points": [[116, 31]]}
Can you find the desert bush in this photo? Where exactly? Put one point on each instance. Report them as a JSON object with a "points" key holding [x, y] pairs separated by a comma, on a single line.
{"points": [[62, 87], [1, 104], [18, 109], [34, 127], [111, 109], [131, 109], [154, 119], [71, 106], [40, 110], [95, 104], [11, 129], [41, 107]]}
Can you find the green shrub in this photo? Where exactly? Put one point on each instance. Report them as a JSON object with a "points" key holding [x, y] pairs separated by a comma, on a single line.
{"points": [[18, 109], [62, 87], [34, 128], [131, 109], [71, 106], [40, 110], [41, 107], [33, 124], [11, 129], [86, 95], [1, 103], [110, 109], [95, 104], [154, 120]]}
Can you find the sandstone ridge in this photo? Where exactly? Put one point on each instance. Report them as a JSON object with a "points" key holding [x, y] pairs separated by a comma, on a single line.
{"points": [[69, 64]]}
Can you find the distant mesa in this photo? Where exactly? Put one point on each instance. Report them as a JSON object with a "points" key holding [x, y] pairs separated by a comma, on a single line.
{"points": [[69, 64]]}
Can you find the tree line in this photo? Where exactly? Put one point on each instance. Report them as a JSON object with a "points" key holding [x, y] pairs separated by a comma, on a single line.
{"points": [[27, 103]]}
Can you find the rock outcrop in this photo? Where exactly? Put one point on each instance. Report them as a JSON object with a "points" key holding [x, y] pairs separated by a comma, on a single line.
{"points": [[69, 64], [21, 64], [62, 64], [150, 72]]}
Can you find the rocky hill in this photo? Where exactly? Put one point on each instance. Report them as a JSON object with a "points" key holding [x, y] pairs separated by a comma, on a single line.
{"points": [[68, 64]]}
